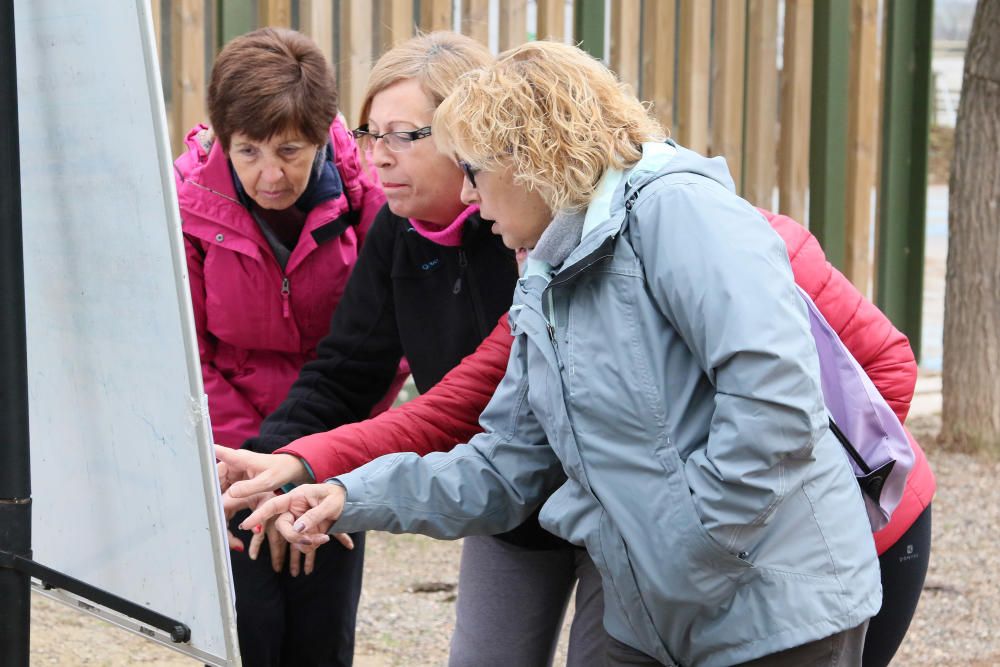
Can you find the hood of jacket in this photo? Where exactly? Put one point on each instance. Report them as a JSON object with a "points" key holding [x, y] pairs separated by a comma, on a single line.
{"points": [[606, 212]]}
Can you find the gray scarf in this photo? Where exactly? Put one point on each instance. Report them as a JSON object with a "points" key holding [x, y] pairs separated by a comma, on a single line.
{"points": [[560, 238]]}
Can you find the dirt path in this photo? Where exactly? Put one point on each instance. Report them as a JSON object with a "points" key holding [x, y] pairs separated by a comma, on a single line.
{"points": [[399, 625]]}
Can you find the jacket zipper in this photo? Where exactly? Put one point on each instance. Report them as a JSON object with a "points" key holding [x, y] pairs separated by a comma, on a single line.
{"points": [[286, 290], [463, 262], [550, 324]]}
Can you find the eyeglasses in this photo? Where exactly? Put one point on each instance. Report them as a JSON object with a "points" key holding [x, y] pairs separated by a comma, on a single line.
{"points": [[394, 141], [470, 172]]}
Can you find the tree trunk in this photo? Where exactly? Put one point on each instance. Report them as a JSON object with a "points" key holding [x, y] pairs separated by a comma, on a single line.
{"points": [[971, 380]]}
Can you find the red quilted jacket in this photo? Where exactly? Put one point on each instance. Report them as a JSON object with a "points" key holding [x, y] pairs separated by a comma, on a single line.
{"points": [[448, 414]]}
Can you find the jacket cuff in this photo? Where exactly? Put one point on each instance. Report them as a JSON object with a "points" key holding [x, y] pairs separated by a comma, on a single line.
{"points": [[291, 485], [352, 517]]}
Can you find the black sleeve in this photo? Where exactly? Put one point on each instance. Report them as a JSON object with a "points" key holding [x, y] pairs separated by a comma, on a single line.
{"points": [[358, 358]]}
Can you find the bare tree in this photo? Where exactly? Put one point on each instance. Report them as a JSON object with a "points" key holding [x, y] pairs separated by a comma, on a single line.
{"points": [[971, 380]]}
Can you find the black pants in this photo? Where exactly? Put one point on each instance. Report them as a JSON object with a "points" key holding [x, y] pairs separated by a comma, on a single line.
{"points": [[904, 567], [305, 620]]}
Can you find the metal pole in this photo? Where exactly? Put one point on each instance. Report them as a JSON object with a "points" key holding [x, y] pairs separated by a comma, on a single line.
{"points": [[15, 477], [902, 202], [828, 139], [588, 20]]}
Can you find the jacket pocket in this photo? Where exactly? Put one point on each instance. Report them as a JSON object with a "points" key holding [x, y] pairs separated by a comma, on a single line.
{"points": [[697, 569]]}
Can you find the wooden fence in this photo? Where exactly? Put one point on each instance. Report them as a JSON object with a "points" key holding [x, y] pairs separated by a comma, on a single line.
{"points": [[789, 91]]}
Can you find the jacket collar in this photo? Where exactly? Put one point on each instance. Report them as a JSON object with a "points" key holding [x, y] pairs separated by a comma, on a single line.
{"points": [[608, 209]]}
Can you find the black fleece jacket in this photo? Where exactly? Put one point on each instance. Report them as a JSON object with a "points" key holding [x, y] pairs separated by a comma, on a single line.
{"points": [[407, 296]]}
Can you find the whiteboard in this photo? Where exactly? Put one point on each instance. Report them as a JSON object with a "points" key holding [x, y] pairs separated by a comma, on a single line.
{"points": [[123, 476]]}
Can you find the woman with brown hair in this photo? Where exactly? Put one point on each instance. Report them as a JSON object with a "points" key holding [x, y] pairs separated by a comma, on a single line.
{"points": [[275, 207]]}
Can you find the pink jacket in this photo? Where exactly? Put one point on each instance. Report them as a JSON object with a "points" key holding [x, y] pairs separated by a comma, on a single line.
{"points": [[257, 325]]}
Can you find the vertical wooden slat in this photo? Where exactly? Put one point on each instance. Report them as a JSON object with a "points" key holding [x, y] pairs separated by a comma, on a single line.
{"points": [[397, 22], [355, 55], [435, 15], [659, 22], [727, 84], [796, 85], [693, 73], [513, 23], [187, 44], [155, 8], [551, 20], [274, 13], [625, 27], [316, 20], [213, 32], [862, 135], [476, 20], [235, 19], [760, 128]]}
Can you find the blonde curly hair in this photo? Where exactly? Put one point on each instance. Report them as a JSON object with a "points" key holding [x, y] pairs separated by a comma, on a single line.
{"points": [[554, 114]]}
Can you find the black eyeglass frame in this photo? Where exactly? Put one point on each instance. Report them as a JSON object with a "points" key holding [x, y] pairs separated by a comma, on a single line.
{"points": [[407, 136], [470, 173]]}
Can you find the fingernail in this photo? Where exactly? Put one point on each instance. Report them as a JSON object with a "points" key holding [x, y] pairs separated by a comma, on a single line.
{"points": [[239, 548], [299, 526], [257, 528]]}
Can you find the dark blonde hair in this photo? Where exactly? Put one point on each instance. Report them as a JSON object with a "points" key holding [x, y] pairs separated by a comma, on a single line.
{"points": [[554, 114], [436, 60], [270, 81]]}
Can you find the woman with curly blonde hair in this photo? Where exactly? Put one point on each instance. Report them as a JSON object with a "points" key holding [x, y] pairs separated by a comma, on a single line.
{"points": [[663, 382]]}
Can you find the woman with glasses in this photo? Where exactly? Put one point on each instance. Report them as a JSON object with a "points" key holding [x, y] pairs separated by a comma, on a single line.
{"points": [[430, 285], [275, 206]]}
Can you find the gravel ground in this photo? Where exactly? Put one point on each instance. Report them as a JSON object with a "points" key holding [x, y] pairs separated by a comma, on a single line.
{"points": [[407, 608]]}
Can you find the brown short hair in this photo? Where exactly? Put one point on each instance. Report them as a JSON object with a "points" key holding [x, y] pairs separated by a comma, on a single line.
{"points": [[435, 59], [270, 81]]}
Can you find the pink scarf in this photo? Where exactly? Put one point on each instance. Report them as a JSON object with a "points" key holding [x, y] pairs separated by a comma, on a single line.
{"points": [[451, 235]]}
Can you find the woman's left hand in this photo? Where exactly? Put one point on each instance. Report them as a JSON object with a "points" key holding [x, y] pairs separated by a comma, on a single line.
{"points": [[304, 515]]}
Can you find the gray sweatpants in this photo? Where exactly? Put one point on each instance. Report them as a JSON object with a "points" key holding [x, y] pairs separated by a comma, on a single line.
{"points": [[511, 603]]}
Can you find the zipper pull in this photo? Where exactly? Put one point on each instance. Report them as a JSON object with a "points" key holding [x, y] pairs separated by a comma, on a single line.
{"points": [[463, 262], [286, 290]]}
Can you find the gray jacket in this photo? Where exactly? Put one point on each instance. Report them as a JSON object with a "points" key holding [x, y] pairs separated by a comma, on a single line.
{"points": [[663, 382]]}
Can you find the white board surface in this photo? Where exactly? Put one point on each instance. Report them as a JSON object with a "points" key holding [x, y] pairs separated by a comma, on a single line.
{"points": [[123, 483]]}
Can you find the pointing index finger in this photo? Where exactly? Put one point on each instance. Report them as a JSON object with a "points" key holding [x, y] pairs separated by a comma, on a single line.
{"points": [[274, 506]]}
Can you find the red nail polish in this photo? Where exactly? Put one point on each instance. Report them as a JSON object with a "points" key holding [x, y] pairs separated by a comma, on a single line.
{"points": [[239, 548], [257, 528]]}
